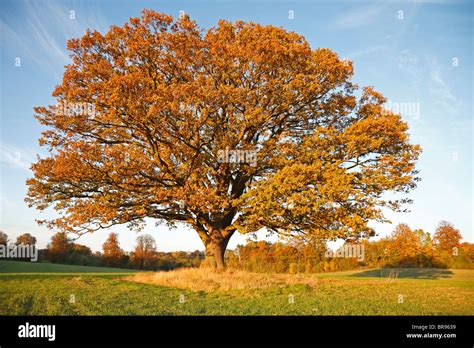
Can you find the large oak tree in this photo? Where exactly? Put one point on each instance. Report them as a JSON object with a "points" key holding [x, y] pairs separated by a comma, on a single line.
{"points": [[169, 97]]}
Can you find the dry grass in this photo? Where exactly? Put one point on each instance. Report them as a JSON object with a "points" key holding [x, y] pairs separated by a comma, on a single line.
{"points": [[203, 279]]}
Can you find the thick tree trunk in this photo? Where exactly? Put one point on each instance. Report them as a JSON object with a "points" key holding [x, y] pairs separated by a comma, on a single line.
{"points": [[215, 245]]}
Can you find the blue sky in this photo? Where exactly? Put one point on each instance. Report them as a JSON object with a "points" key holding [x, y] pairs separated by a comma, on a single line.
{"points": [[417, 53]]}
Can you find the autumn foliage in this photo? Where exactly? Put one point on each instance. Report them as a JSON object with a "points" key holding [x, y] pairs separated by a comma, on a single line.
{"points": [[59, 248], [167, 96], [3, 238], [447, 236], [113, 254], [403, 248], [25, 239]]}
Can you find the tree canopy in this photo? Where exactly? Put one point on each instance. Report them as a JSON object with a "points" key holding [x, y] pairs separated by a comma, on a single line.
{"points": [[25, 239], [148, 109]]}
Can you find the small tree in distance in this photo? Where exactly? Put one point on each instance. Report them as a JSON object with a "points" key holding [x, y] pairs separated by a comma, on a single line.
{"points": [[447, 236], [113, 254], [57, 251], [144, 254], [3, 238], [25, 239], [169, 102]]}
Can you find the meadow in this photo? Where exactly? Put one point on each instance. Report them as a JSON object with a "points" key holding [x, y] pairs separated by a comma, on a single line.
{"points": [[52, 289]]}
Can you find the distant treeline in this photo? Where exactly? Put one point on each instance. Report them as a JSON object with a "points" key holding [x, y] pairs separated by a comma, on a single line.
{"points": [[62, 249], [403, 248]]}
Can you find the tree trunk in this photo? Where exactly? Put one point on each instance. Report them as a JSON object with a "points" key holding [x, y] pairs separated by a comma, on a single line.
{"points": [[215, 250]]}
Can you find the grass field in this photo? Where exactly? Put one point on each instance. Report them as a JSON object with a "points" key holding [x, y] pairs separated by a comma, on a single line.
{"points": [[37, 267], [48, 289]]}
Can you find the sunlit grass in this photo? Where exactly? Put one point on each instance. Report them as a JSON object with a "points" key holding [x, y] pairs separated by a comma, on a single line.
{"points": [[200, 292]]}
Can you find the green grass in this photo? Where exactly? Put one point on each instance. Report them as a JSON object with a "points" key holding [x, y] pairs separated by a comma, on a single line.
{"points": [[425, 292], [44, 267]]}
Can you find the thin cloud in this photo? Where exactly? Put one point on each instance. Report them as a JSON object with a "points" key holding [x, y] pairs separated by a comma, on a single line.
{"points": [[361, 16], [41, 30], [15, 157], [409, 63], [368, 51], [440, 90]]}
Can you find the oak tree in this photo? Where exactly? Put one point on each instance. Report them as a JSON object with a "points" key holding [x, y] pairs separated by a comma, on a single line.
{"points": [[25, 239], [58, 250], [235, 128], [144, 255], [447, 236], [113, 254], [3, 238]]}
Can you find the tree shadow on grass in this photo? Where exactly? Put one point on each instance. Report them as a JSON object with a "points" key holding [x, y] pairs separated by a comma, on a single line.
{"points": [[413, 273]]}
